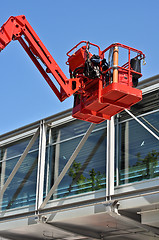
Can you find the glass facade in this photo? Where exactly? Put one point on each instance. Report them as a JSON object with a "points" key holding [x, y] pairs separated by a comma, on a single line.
{"points": [[136, 156], [87, 172], [22, 189], [138, 149]]}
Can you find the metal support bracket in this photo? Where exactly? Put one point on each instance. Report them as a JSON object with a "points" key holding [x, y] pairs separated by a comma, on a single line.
{"points": [[67, 166], [112, 207]]}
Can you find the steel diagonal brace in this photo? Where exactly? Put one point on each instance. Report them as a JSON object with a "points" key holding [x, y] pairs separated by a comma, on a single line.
{"points": [[142, 124], [67, 166], [18, 164]]}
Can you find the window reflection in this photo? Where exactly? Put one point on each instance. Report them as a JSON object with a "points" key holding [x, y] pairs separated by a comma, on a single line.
{"points": [[139, 150], [87, 172], [22, 189]]}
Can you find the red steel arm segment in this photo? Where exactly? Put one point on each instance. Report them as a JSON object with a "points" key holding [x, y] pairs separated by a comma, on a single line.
{"points": [[18, 28]]}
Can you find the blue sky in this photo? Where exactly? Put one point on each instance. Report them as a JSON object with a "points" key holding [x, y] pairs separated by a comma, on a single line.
{"points": [[25, 96]]}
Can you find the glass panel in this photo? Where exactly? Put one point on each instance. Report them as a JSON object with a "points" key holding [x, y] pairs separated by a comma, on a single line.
{"points": [[49, 169], [149, 103], [72, 129], [22, 189], [17, 148], [139, 150], [87, 172]]}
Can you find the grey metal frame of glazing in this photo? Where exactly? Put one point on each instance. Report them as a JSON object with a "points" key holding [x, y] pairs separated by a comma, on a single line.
{"points": [[42, 166], [39, 164]]}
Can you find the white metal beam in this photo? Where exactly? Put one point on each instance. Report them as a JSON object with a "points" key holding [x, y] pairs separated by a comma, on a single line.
{"points": [[67, 166], [110, 158], [41, 164]]}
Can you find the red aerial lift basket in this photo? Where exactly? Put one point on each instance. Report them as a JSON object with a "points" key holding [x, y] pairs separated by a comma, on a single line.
{"points": [[115, 98], [105, 99]]}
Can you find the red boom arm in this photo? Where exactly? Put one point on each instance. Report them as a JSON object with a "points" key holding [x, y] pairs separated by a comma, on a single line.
{"points": [[18, 28]]}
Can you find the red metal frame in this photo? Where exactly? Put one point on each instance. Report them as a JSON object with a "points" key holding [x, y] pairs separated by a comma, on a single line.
{"points": [[86, 43], [105, 101], [98, 100], [126, 66], [17, 27]]}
